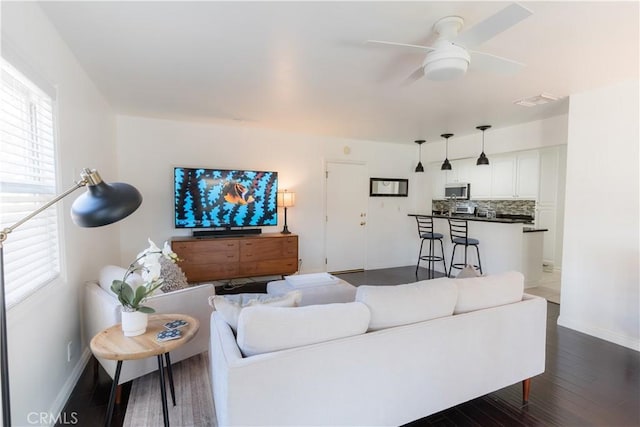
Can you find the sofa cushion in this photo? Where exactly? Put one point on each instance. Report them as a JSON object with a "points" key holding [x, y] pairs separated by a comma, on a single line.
{"points": [[110, 273], [230, 306], [488, 291], [263, 329], [411, 303]]}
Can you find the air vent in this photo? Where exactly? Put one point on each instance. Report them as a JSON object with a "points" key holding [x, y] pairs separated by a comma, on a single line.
{"points": [[543, 98]]}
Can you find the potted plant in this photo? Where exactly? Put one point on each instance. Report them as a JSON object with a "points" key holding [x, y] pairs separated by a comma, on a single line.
{"points": [[147, 264]]}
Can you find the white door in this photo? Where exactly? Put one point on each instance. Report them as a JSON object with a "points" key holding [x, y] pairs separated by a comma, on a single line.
{"points": [[346, 220]]}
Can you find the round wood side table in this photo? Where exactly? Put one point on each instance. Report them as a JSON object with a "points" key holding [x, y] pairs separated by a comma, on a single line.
{"points": [[113, 345]]}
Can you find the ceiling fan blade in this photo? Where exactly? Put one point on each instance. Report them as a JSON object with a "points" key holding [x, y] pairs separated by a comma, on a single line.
{"points": [[416, 75], [481, 61], [411, 46], [493, 25]]}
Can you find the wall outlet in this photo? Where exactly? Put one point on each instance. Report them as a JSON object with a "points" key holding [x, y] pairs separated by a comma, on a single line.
{"points": [[69, 350]]}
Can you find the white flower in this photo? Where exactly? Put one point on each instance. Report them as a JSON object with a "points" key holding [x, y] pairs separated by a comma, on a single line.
{"points": [[149, 259], [150, 250], [168, 253], [151, 271]]}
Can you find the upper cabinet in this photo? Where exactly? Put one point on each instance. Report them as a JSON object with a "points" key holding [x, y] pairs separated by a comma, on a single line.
{"points": [[527, 174], [515, 176], [508, 176], [480, 180], [503, 173]]}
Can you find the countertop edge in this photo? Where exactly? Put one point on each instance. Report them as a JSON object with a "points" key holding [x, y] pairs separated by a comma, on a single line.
{"points": [[477, 219]]}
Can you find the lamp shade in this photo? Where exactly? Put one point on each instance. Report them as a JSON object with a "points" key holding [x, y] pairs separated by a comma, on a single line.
{"points": [[286, 199], [104, 203], [482, 160], [419, 167]]}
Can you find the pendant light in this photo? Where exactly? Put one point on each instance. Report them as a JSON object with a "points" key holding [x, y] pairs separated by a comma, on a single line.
{"points": [[419, 168], [446, 166], [483, 159]]}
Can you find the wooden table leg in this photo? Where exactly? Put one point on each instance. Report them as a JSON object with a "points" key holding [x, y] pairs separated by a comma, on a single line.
{"points": [[163, 392], [526, 387], [112, 396], [170, 372]]}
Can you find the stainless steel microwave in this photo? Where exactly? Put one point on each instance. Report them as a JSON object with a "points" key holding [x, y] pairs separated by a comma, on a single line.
{"points": [[458, 190]]}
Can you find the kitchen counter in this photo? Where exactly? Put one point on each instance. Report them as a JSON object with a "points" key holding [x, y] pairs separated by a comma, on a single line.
{"points": [[506, 244], [482, 219]]}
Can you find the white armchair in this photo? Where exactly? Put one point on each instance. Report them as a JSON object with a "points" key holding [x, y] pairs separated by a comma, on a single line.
{"points": [[102, 310]]}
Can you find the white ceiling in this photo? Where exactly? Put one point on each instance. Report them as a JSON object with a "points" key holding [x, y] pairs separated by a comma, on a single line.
{"points": [[304, 66]]}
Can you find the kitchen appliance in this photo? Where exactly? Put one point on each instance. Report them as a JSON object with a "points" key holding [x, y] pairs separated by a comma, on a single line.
{"points": [[457, 191], [464, 209]]}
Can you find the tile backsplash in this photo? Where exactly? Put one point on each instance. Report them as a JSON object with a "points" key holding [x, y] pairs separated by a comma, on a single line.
{"points": [[506, 206]]}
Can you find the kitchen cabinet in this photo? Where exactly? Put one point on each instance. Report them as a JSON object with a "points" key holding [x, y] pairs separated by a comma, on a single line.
{"points": [[527, 175], [508, 176], [515, 176], [503, 176], [480, 180]]}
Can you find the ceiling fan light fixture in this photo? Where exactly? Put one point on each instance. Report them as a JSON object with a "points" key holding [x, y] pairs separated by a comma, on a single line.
{"points": [[446, 63]]}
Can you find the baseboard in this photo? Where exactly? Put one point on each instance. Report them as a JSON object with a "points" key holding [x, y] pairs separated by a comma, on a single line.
{"points": [[61, 400], [604, 334]]}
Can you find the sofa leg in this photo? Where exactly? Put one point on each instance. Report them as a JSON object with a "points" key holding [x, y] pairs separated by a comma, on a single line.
{"points": [[526, 387], [119, 394]]}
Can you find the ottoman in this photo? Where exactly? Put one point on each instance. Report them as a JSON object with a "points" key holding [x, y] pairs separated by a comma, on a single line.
{"points": [[322, 294]]}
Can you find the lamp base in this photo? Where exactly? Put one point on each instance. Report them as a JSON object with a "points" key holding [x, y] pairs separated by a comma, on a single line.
{"points": [[285, 230]]}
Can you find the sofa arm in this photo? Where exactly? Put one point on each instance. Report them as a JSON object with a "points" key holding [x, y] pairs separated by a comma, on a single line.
{"points": [[102, 310]]}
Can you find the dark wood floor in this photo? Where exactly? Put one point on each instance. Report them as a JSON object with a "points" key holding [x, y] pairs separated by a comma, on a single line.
{"points": [[587, 382]]}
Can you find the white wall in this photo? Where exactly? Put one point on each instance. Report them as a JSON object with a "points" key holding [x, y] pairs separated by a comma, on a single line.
{"points": [[40, 327], [600, 274], [148, 149]]}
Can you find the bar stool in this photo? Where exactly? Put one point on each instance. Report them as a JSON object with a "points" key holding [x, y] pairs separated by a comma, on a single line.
{"points": [[459, 236], [425, 232]]}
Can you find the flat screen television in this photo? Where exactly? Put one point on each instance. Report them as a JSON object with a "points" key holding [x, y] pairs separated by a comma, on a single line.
{"points": [[208, 198]]}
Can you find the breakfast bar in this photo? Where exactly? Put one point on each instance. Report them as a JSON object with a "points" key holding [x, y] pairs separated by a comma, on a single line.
{"points": [[506, 244]]}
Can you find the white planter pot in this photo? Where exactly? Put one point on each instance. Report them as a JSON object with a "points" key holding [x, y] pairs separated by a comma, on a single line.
{"points": [[134, 323]]}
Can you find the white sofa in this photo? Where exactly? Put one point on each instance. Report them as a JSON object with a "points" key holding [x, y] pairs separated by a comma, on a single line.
{"points": [[102, 310], [389, 375]]}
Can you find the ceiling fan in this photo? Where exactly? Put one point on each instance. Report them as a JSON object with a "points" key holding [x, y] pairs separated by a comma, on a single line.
{"points": [[450, 57]]}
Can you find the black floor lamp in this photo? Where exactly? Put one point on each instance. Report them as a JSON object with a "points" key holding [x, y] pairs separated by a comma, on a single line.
{"points": [[102, 204]]}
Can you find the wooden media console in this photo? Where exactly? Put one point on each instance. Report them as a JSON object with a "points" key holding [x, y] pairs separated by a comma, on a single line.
{"points": [[218, 258]]}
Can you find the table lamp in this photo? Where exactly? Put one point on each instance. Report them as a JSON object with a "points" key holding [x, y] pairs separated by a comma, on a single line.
{"points": [[286, 200], [102, 204]]}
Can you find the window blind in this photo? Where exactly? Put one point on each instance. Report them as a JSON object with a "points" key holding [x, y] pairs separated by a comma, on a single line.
{"points": [[27, 181]]}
